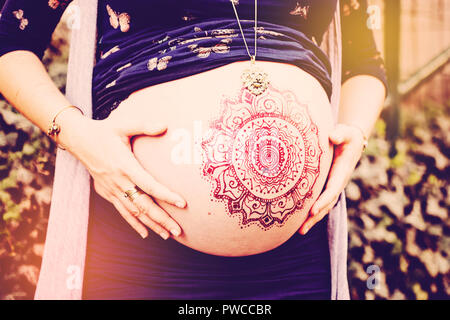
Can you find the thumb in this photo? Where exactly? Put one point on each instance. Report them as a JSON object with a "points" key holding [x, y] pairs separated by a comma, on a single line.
{"points": [[154, 129], [136, 126], [339, 134]]}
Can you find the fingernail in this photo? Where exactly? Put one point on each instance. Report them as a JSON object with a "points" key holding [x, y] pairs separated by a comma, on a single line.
{"points": [[338, 139], [180, 204], [143, 235], [175, 232], [159, 126], [164, 235]]}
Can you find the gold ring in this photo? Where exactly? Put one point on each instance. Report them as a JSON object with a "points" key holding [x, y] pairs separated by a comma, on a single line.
{"points": [[133, 193]]}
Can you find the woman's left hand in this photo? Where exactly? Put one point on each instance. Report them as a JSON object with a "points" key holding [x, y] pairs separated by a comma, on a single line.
{"points": [[348, 143]]}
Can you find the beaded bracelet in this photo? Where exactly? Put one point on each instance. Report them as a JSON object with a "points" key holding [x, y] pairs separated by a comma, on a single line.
{"points": [[54, 128]]}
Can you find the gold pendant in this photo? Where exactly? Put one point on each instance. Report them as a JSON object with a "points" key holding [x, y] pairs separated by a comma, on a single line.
{"points": [[255, 79]]}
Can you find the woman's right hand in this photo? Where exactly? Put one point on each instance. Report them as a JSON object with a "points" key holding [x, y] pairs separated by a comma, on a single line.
{"points": [[103, 146]]}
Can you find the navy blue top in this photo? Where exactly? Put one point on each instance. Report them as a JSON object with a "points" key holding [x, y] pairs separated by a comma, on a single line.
{"points": [[142, 43]]}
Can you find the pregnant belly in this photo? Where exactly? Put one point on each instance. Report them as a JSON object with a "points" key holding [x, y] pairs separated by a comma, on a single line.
{"points": [[249, 166]]}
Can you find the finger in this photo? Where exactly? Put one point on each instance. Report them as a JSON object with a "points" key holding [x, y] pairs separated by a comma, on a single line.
{"points": [[313, 219], [340, 172], [142, 216], [328, 207], [139, 214], [149, 185], [310, 222], [335, 184], [155, 227], [132, 221], [145, 219], [140, 208], [157, 214], [325, 199]]}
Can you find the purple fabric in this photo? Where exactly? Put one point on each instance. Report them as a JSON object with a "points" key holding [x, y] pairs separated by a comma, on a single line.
{"points": [[61, 275], [121, 265]]}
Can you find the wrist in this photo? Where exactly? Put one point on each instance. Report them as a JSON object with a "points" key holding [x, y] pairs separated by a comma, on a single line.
{"points": [[72, 123], [364, 138]]}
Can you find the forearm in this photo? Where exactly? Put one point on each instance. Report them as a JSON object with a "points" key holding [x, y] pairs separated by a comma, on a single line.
{"points": [[360, 105], [362, 99], [25, 83]]}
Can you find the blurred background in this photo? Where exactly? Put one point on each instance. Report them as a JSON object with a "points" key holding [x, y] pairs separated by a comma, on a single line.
{"points": [[398, 199]]}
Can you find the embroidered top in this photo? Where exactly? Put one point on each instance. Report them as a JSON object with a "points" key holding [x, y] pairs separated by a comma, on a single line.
{"points": [[142, 43]]}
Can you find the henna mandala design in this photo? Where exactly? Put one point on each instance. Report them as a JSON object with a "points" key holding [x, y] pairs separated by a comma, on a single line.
{"points": [[262, 156]]}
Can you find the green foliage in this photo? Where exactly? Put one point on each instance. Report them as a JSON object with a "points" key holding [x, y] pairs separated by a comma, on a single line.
{"points": [[27, 159]]}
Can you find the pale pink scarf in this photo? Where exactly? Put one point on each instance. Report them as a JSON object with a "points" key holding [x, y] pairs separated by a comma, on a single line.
{"points": [[61, 274]]}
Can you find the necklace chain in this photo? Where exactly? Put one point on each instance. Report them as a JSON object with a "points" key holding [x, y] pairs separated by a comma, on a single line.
{"points": [[255, 80], [252, 57]]}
